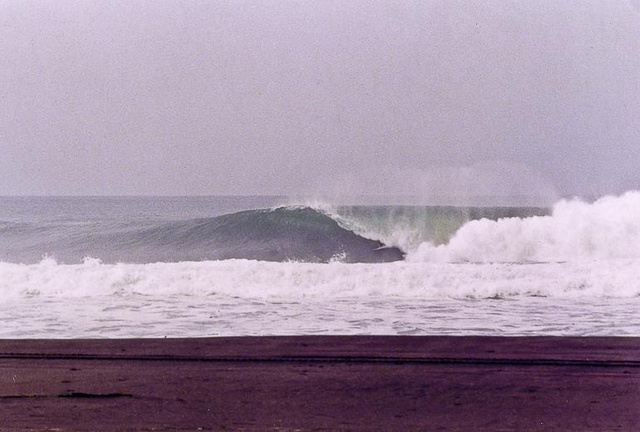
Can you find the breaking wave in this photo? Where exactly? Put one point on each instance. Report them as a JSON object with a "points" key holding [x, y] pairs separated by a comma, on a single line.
{"points": [[607, 229], [577, 250]]}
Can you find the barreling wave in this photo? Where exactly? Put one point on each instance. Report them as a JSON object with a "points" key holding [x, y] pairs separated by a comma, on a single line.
{"points": [[608, 228], [407, 227], [281, 234], [580, 250]]}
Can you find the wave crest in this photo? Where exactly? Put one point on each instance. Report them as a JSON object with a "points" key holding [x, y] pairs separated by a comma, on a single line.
{"points": [[280, 234]]}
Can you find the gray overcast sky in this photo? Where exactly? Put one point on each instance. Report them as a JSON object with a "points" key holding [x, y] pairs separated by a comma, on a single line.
{"points": [[417, 97]]}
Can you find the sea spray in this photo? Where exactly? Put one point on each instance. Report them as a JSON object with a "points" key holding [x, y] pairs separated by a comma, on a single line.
{"points": [[607, 229], [407, 227]]}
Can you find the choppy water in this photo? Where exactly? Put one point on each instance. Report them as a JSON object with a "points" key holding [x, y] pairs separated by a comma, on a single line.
{"points": [[191, 316]]}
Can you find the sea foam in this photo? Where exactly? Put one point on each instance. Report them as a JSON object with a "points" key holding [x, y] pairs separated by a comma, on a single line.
{"points": [[297, 281], [581, 250], [607, 229]]}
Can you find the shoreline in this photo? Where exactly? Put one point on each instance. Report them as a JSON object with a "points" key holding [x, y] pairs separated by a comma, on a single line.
{"points": [[322, 383]]}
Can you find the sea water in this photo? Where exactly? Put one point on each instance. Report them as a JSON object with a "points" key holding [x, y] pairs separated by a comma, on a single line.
{"points": [[119, 267]]}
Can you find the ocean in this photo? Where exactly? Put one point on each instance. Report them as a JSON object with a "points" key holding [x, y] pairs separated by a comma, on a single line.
{"points": [[124, 267]]}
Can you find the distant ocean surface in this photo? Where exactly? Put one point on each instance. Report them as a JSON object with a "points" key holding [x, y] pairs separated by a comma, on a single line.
{"points": [[120, 267]]}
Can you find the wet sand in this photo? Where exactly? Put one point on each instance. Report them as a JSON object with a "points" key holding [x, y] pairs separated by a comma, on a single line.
{"points": [[322, 383]]}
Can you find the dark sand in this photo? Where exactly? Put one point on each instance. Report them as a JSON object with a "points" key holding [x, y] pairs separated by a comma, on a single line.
{"points": [[322, 383]]}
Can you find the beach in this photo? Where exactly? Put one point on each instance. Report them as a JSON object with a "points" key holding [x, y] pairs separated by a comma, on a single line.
{"points": [[321, 383], [319, 215]]}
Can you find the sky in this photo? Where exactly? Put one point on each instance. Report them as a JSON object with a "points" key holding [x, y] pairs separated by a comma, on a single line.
{"points": [[424, 98]]}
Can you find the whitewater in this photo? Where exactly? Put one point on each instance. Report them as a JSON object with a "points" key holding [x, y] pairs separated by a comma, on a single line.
{"points": [[230, 266]]}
